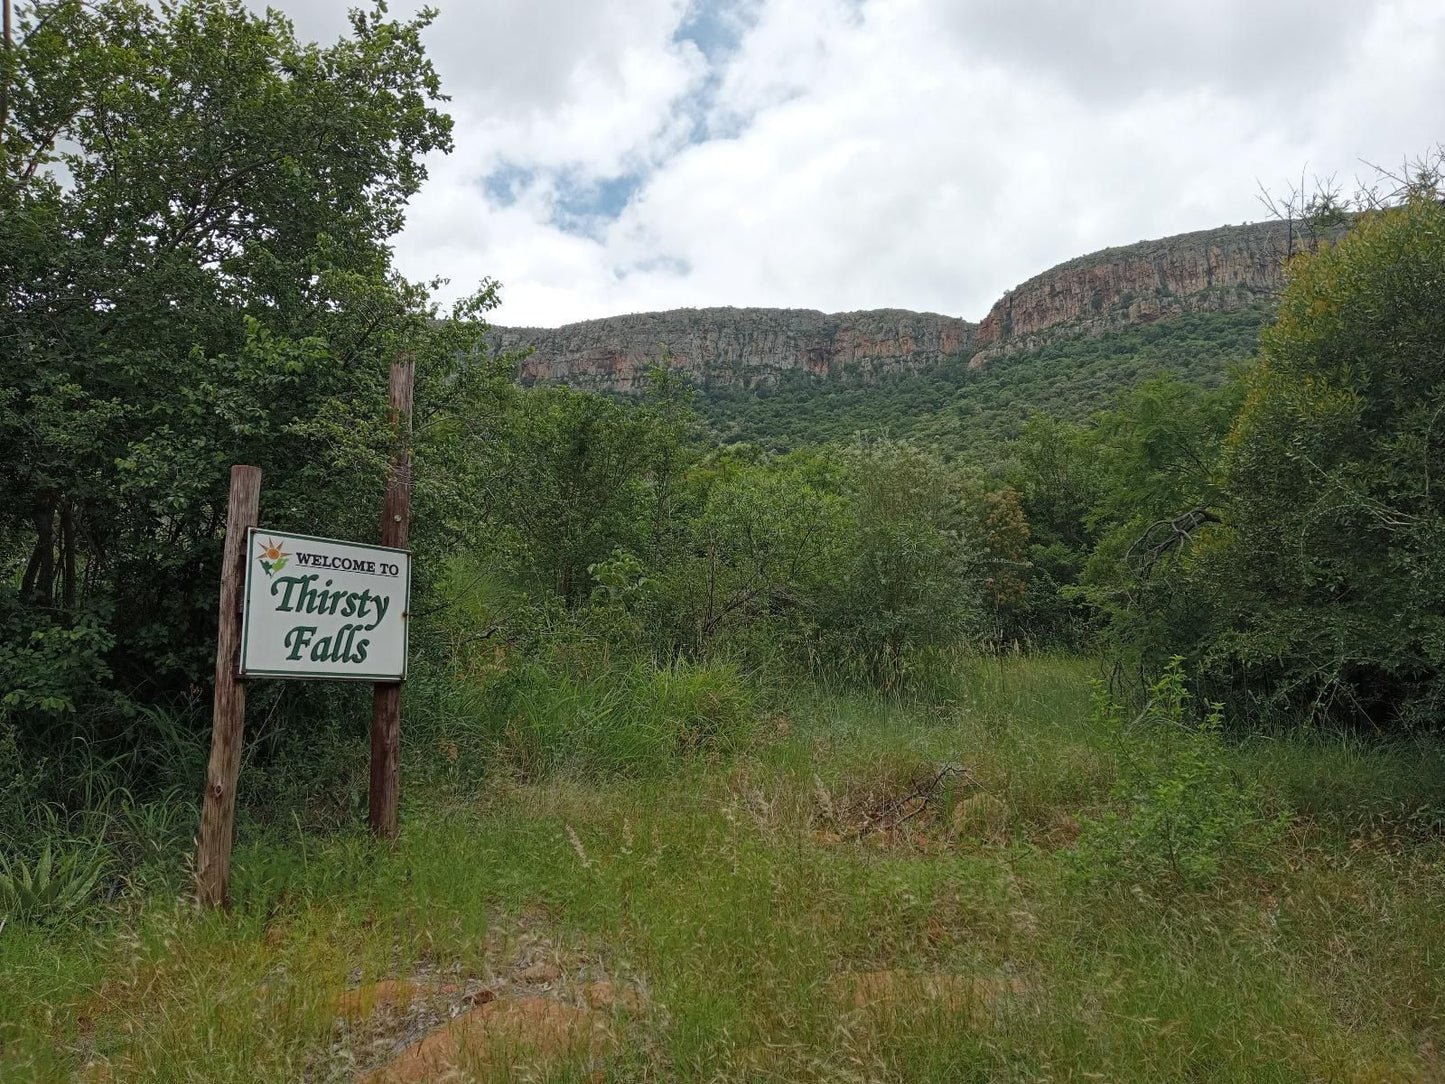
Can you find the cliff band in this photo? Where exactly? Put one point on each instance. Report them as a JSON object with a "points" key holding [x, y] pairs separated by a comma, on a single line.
{"points": [[746, 348]]}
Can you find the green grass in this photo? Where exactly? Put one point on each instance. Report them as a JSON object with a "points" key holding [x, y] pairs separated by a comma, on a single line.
{"points": [[735, 888]]}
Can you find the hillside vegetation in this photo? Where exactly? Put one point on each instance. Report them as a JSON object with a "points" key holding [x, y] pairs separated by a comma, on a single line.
{"points": [[955, 406]]}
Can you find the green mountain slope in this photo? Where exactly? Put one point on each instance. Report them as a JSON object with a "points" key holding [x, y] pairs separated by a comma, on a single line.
{"points": [[955, 407]]}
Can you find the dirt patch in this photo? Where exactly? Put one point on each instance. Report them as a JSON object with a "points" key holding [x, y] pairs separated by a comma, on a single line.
{"points": [[537, 1032], [537, 991], [542, 973], [424, 1028], [611, 997]]}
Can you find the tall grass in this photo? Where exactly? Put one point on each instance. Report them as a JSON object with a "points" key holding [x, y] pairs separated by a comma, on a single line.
{"points": [[626, 719], [743, 888]]}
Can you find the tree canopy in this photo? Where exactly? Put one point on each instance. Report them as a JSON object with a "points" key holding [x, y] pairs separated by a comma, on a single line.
{"points": [[1330, 568], [1290, 544], [195, 209]]}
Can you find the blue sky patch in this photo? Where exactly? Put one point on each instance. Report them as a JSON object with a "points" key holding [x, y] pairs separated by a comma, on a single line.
{"points": [[506, 183], [712, 25], [716, 27], [672, 265], [583, 207]]}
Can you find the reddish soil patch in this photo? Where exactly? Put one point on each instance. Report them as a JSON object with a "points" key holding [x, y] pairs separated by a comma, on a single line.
{"points": [[611, 997], [534, 1031]]}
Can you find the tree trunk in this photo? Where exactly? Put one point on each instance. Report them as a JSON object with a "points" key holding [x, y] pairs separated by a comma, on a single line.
{"points": [[5, 76], [38, 584], [67, 556]]}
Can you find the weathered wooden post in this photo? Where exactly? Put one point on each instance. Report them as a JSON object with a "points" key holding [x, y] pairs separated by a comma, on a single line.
{"points": [[395, 528], [301, 607], [228, 721]]}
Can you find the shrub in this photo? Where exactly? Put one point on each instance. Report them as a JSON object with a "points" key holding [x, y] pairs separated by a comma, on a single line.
{"points": [[543, 717], [919, 563], [54, 888], [15, 785], [1298, 561], [1187, 815], [1330, 583]]}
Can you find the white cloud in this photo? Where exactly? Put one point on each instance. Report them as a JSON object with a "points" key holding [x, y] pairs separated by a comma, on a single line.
{"points": [[860, 153]]}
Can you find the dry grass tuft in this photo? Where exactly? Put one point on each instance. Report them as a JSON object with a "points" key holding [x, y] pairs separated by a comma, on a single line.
{"points": [[535, 1033], [980, 817]]}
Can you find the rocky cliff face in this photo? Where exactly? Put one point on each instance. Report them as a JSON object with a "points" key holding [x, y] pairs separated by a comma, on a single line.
{"points": [[1218, 270], [737, 348]]}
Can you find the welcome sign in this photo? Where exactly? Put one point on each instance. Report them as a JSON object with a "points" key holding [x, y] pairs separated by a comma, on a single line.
{"points": [[324, 608]]}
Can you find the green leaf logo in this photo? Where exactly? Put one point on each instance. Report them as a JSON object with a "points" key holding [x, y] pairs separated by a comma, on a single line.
{"points": [[272, 558]]}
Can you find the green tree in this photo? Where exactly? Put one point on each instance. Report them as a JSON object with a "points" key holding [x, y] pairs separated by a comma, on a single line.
{"points": [[570, 484], [1156, 456], [763, 536], [672, 445], [1329, 573], [1053, 467], [194, 271], [919, 564]]}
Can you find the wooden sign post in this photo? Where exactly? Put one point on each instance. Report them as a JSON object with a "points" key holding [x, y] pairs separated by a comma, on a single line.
{"points": [[395, 529], [218, 807], [314, 608]]}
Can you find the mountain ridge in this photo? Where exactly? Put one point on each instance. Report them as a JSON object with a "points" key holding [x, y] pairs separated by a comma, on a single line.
{"points": [[1224, 269], [736, 346], [1221, 269]]}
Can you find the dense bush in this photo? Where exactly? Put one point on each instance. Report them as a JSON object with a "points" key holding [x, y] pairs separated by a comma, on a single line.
{"points": [[845, 558], [1053, 467], [1329, 572], [1298, 564], [211, 286], [1185, 816], [929, 557]]}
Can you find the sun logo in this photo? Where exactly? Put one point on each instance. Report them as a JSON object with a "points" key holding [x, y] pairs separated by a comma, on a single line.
{"points": [[273, 558]]}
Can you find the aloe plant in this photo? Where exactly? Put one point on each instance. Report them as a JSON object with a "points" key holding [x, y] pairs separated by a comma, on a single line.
{"points": [[59, 883]]}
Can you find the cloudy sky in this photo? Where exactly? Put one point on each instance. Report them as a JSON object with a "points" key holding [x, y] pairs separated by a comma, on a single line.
{"points": [[624, 155]]}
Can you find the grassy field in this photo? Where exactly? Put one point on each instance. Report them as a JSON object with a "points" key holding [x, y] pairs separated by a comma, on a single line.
{"points": [[868, 889]]}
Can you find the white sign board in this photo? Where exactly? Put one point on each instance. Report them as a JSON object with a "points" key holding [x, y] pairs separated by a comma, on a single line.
{"points": [[323, 608]]}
